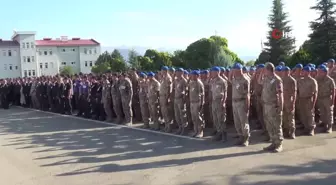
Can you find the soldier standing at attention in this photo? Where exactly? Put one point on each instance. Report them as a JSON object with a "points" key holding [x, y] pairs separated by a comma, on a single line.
{"points": [[126, 92], [106, 98], [180, 99], [218, 94], [135, 101], [206, 109], [166, 88], [257, 89], [332, 74], [289, 93], [272, 97], [33, 95], [153, 99], [196, 96], [143, 92], [67, 96], [116, 98], [240, 103], [325, 97], [308, 89]]}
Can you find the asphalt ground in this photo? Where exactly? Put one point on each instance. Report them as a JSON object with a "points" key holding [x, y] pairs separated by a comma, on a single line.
{"points": [[41, 148]]}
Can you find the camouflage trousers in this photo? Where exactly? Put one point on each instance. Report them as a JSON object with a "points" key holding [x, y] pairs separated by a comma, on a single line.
{"points": [[273, 122]]}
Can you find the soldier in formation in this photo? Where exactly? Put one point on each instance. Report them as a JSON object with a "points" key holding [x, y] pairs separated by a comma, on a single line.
{"points": [[275, 99]]}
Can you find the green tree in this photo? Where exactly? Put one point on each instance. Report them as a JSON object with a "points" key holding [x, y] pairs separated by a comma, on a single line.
{"points": [[109, 62], [301, 56], [279, 48], [159, 58], [323, 37], [118, 62], [146, 64], [66, 71], [178, 58], [101, 68], [133, 59], [250, 63], [263, 58], [222, 58]]}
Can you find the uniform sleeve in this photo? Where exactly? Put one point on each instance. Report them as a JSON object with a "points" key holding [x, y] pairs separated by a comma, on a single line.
{"points": [[279, 86], [332, 84], [315, 87]]}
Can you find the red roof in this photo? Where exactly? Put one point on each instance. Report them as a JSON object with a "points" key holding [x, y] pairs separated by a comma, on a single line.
{"points": [[73, 42]]}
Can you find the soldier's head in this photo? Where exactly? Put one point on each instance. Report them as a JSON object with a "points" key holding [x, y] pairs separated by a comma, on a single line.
{"points": [[164, 70], [298, 69], [282, 64], [171, 71], [186, 74], [260, 67], [179, 72], [245, 70], [252, 70], [205, 74], [123, 75], [215, 71], [222, 71], [150, 75], [322, 70], [286, 71], [104, 77], [278, 70], [269, 69], [237, 69], [142, 75], [331, 63], [194, 75], [306, 70]]}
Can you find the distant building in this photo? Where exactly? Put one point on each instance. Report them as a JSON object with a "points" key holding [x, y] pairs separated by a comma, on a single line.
{"points": [[24, 56]]}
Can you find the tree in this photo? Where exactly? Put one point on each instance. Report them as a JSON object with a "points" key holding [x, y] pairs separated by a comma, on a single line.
{"points": [[263, 58], [301, 56], [323, 38], [109, 62], [146, 63], [178, 58], [66, 71], [222, 58], [159, 58], [118, 62], [133, 59], [279, 48], [250, 63]]}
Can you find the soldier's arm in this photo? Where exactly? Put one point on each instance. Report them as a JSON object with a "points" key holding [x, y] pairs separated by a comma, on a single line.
{"points": [[280, 94], [261, 77], [130, 89], [225, 88], [332, 91], [248, 89], [315, 91], [201, 86]]}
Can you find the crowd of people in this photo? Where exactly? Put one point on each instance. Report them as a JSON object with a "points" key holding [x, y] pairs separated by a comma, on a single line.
{"points": [[275, 98]]}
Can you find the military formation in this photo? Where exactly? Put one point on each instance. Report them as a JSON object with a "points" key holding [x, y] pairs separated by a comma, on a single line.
{"points": [[276, 99]]}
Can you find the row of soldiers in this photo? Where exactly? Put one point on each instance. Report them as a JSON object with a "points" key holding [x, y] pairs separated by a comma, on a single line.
{"points": [[272, 96]]}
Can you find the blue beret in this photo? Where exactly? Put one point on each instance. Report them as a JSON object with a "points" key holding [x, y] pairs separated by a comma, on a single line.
{"points": [[195, 72], [180, 69], [222, 69], [260, 66], [278, 68], [282, 63], [172, 69], [215, 68], [142, 74], [205, 72], [307, 68], [165, 68], [298, 66], [323, 68], [252, 68], [186, 72], [285, 68], [321, 65], [331, 60], [325, 63], [150, 74], [237, 66], [245, 68]]}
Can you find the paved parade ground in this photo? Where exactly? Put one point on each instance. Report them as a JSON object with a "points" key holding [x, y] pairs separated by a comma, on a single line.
{"points": [[39, 148]]}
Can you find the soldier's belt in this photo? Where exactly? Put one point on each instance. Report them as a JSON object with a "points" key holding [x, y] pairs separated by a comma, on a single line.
{"points": [[238, 99]]}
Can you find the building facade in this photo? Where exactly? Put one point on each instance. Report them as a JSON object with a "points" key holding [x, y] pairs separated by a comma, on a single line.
{"points": [[24, 56]]}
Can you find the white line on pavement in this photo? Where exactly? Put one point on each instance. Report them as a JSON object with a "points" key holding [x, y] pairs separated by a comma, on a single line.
{"points": [[117, 125]]}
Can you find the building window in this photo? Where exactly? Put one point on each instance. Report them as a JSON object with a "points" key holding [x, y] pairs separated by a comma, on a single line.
{"points": [[16, 67], [32, 45], [95, 51], [29, 72], [5, 66], [10, 67], [23, 45], [4, 53], [9, 53], [33, 72], [45, 52], [46, 65], [25, 73], [73, 49], [63, 50], [50, 52], [63, 63], [32, 58], [86, 64], [73, 63], [41, 65], [90, 52], [28, 59], [40, 52], [85, 50], [27, 45], [91, 64], [24, 59]]}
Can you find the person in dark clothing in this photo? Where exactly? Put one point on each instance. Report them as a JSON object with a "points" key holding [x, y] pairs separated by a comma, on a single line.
{"points": [[93, 97], [17, 93], [5, 91], [84, 91], [54, 96], [66, 98], [26, 91]]}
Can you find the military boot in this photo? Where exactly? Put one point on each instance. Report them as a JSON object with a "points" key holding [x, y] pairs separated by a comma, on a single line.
{"points": [[245, 141], [156, 126], [217, 137], [239, 140], [328, 129], [183, 131], [168, 128], [277, 148], [178, 131], [291, 133], [285, 132], [269, 148], [224, 136], [200, 134], [146, 126]]}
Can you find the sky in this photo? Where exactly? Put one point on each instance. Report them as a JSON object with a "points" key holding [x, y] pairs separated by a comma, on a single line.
{"points": [[168, 24]]}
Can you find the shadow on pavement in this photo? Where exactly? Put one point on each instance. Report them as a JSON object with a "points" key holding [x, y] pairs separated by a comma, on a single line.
{"points": [[108, 145], [321, 172]]}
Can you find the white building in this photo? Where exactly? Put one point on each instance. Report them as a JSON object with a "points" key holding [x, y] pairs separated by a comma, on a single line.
{"points": [[24, 56]]}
